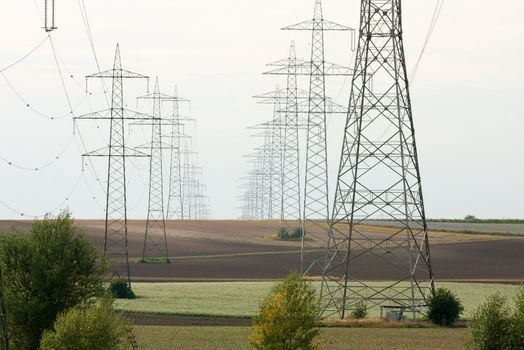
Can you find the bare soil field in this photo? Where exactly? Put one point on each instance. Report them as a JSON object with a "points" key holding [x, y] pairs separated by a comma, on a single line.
{"points": [[247, 250]]}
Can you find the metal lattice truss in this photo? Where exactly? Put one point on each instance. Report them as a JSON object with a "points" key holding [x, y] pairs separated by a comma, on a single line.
{"points": [[175, 206], [315, 217], [378, 177], [115, 233], [195, 201], [155, 237]]}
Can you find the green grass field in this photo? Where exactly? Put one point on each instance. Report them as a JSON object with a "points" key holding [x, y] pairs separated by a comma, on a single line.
{"points": [[219, 338], [242, 299]]}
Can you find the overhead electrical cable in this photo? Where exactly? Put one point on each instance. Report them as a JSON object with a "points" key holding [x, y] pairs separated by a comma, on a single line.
{"points": [[42, 166], [432, 25], [59, 206], [24, 56]]}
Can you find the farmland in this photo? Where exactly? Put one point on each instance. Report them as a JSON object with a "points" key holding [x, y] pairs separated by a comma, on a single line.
{"points": [[470, 227], [241, 299], [221, 270], [220, 338]]}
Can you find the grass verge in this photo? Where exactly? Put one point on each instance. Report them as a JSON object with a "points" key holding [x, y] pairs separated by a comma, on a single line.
{"points": [[242, 299], [221, 338]]}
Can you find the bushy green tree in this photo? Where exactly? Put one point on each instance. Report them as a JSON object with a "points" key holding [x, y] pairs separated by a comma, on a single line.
{"points": [[490, 327], [89, 327], [45, 272], [444, 307], [517, 322], [288, 317]]}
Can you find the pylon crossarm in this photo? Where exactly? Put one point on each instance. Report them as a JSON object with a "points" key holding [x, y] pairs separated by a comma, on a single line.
{"points": [[307, 68], [109, 114], [287, 62], [314, 24], [117, 151], [116, 74]]}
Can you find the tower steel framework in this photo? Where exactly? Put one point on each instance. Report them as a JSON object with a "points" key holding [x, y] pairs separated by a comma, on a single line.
{"points": [[378, 177], [155, 237], [271, 153], [175, 199], [115, 232], [315, 216], [290, 206]]}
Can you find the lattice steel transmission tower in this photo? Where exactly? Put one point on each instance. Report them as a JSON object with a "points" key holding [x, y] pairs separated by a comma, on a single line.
{"points": [[4, 338], [155, 237], [175, 199], [378, 177], [115, 232], [288, 123], [271, 152], [315, 217]]}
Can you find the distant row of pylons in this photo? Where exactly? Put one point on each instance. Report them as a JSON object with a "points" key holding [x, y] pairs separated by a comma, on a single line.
{"points": [[378, 175]]}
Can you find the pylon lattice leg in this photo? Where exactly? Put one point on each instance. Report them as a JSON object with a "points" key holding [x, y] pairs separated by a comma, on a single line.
{"points": [[378, 177]]}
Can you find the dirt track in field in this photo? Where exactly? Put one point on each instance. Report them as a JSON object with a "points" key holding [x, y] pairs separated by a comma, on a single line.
{"points": [[240, 250]]}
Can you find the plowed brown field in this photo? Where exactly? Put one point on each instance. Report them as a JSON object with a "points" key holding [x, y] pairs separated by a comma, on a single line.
{"points": [[244, 250]]}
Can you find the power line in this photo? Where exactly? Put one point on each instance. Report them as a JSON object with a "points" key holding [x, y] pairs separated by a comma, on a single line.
{"points": [[432, 25], [44, 165], [59, 206], [29, 53]]}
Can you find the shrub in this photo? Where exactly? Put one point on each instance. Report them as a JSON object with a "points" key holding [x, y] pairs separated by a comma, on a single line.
{"points": [[297, 233], [444, 307], [288, 317], [87, 328], [490, 327], [517, 322], [283, 233], [120, 289], [470, 218], [360, 311], [46, 272]]}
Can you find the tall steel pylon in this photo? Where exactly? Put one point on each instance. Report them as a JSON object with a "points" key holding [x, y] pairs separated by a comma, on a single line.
{"points": [[291, 206], [115, 232], [175, 199], [4, 338], [189, 174], [155, 237], [378, 177], [315, 216]]}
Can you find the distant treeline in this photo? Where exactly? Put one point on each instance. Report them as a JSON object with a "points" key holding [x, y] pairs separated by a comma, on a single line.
{"points": [[480, 221], [469, 220]]}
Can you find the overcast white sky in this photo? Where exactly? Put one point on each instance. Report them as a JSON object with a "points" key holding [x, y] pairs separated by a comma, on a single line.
{"points": [[467, 94]]}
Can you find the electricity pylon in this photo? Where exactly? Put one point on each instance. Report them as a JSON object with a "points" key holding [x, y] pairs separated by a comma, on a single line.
{"points": [[155, 237], [115, 232], [315, 217], [272, 151], [175, 199], [378, 177], [4, 338], [290, 206]]}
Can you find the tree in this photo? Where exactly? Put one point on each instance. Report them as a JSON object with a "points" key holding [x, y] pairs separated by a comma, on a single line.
{"points": [[88, 327], [444, 308], [45, 272], [490, 327], [288, 317], [517, 321]]}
